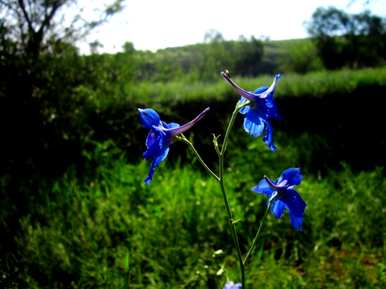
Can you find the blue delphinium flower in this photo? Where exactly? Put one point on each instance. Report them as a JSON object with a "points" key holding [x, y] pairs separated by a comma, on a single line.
{"points": [[282, 195], [231, 285], [161, 136], [261, 110]]}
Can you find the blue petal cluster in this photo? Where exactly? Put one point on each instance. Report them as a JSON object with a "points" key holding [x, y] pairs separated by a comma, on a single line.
{"points": [[283, 196], [231, 285], [262, 109], [160, 136]]}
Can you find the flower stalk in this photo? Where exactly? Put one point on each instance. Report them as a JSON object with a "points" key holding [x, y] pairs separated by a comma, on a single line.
{"points": [[252, 247], [232, 224], [220, 179], [258, 108], [185, 140]]}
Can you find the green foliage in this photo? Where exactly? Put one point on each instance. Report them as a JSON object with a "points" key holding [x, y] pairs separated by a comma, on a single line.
{"points": [[113, 231], [348, 40], [301, 56], [199, 61], [41, 75], [324, 83], [202, 62], [99, 226], [315, 84]]}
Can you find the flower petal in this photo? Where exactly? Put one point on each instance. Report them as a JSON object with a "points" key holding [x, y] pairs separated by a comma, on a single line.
{"points": [[267, 138], [245, 109], [253, 123], [271, 106], [148, 117], [267, 107], [264, 188], [154, 143], [296, 222], [231, 285], [151, 138], [162, 156], [261, 89], [295, 205], [155, 163], [292, 176], [278, 208], [172, 125], [270, 90]]}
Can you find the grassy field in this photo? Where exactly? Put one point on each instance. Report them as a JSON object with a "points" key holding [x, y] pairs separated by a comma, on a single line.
{"points": [[112, 231], [314, 84], [99, 226]]}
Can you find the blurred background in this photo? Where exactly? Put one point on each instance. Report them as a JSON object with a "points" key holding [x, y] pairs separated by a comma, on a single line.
{"points": [[75, 212]]}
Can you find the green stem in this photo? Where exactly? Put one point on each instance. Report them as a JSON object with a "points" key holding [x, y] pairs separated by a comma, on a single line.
{"points": [[184, 139], [229, 127], [230, 220], [257, 234], [221, 181]]}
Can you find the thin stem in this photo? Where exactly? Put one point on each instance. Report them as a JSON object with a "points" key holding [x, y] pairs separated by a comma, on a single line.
{"points": [[238, 106], [230, 220], [228, 130], [257, 234], [184, 139], [221, 181]]}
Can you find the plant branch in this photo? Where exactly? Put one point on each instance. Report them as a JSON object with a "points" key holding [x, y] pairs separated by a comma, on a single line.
{"points": [[252, 247], [184, 139], [221, 181]]}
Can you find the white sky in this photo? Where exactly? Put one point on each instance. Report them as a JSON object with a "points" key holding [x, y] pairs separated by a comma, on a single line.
{"points": [[155, 24]]}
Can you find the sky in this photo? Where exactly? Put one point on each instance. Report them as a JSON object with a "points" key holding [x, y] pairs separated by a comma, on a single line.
{"points": [[157, 24]]}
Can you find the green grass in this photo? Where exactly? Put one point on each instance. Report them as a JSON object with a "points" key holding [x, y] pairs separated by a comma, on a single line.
{"points": [[112, 231], [313, 84]]}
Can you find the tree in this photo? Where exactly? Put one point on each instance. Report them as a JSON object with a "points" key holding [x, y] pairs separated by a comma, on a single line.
{"points": [[128, 47], [40, 68], [35, 24], [354, 40], [213, 36]]}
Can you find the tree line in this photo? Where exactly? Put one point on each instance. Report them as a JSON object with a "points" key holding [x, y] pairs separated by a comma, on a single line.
{"points": [[47, 87]]}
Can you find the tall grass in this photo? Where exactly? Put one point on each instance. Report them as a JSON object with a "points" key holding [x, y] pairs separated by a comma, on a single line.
{"points": [[112, 231], [109, 230], [313, 84]]}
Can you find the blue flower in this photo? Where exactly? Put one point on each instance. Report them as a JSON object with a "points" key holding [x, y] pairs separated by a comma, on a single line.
{"points": [[282, 195], [160, 136], [261, 110], [231, 285]]}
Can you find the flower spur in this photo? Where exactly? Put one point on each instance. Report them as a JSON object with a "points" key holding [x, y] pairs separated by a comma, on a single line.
{"points": [[260, 110]]}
